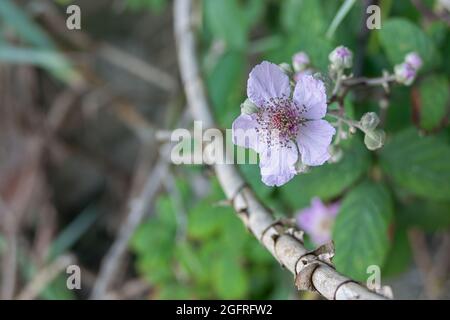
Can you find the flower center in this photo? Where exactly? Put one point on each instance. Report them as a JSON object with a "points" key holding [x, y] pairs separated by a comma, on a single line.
{"points": [[279, 121]]}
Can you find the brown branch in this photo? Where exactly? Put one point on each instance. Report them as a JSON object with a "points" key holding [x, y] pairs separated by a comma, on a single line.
{"points": [[310, 268]]}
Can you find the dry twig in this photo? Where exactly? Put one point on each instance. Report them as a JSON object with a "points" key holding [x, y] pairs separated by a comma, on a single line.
{"points": [[44, 277]]}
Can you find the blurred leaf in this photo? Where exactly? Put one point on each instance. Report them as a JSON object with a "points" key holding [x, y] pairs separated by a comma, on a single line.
{"points": [[156, 271], [54, 62], [153, 234], [57, 290], [434, 101], [360, 232], [329, 180], [13, 16], [295, 14], [165, 210], [226, 20], [427, 215], [340, 15], [399, 114], [205, 220], [154, 5], [420, 165], [234, 236], [230, 279], [400, 36], [253, 11], [446, 53], [437, 31], [226, 86], [406, 9], [189, 258], [252, 175], [257, 253], [399, 256], [306, 25], [175, 291]]}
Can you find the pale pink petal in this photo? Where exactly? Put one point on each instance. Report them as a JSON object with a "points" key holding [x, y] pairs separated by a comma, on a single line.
{"points": [[310, 96], [267, 81], [317, 220], [313, 141], [278, 164], [244, 132]]}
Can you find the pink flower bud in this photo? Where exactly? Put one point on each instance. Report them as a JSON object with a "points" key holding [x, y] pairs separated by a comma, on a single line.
{"points": [[300, 61], [414, 60], [405, 73], [341, 58]]}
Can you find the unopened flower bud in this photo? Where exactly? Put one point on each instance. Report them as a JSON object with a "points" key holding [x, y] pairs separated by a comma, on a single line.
{"points": [[404, 73], [414, 60], [300, 167], [341, 58], [369, 121], [248, 107], [374, 139], [286, 68], [336, 154], [300, 61]]}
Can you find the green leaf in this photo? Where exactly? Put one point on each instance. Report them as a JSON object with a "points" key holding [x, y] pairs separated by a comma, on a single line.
{"points": [[434, 101], [177, 291], [252, 175], [205, 220], [226, 86], [295, 14], [226, 20], [230, 278], [399, 36], [257, 253], [340, 15], [418, 164], [253, 11], [188, 257], [153, 234], [306, 24], [399, 256], [430, 216], [155, 5], [360, 232], [437, 31], [166, 213], [329, 180]]}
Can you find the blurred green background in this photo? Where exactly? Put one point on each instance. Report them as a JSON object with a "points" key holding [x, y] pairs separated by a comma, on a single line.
{"points": [[81, 111]]}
